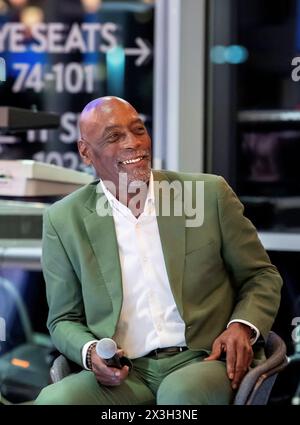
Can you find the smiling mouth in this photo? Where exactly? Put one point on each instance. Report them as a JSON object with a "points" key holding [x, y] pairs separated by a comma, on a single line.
{"points": [[133, 160]]}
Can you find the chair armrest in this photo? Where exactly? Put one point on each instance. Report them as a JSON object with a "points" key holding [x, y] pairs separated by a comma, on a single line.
{"points": [[60, 369]]}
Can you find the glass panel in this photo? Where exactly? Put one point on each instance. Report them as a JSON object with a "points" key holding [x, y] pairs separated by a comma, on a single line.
{"points": [[254, 105]]}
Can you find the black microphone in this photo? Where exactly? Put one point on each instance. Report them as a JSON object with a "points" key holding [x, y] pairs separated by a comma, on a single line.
{"points": [[106, 348]]}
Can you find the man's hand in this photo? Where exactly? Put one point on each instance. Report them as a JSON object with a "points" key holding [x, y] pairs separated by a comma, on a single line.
{"points": [[106, 375], [235, 341]]}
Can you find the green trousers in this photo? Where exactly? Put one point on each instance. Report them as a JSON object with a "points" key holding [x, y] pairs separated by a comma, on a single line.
{"points": [[180, 379]]}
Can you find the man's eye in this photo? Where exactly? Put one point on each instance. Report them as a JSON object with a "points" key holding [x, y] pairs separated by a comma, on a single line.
{"points": [[139, 130], [114, 137]]}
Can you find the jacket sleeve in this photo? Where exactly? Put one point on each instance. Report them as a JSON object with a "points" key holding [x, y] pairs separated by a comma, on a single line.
{"points": [[257, 281], [66, 319]]}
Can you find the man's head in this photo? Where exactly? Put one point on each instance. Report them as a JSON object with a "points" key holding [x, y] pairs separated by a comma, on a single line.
{"points": [[114, 140]]}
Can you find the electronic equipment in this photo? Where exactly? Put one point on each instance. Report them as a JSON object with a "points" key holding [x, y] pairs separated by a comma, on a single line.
{"points": [[18, 119], [33, 178], [25, 368], [21, 233]]}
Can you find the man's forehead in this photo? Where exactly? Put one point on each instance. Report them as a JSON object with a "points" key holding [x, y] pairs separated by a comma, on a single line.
{"points": [[115, 120], [96, 127], [117, 124], [106, 108], [111, 111], [100, 115], [104, 102]]}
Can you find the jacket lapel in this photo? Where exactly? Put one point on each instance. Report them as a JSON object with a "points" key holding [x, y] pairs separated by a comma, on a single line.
{"points": [[100, 228], [172, 234]]}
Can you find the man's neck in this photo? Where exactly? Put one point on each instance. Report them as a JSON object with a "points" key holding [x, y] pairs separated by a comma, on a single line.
{"points": [[134, 198], [132, 195]]}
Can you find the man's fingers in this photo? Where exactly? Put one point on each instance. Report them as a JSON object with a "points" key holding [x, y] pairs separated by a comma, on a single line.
{"points": [[231, 360], [124, 372], [243, 360], [240, 367], [216, 352], [108, 382], [250, 356], [101, 368], [238, 360], [235, 341], [112, 376]]}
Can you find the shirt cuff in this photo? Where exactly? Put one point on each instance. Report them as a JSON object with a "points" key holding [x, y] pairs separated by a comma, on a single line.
{"points": [[254, 338], [84, 352]]}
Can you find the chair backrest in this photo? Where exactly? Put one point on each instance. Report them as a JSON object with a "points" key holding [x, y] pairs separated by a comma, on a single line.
{"points": [[256, 386]]}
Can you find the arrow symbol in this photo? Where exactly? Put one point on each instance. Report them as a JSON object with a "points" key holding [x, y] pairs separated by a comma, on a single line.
{"points": [[143, 51]]}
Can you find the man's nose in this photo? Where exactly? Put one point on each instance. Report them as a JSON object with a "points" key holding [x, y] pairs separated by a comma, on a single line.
{"points": [[131, 141]]}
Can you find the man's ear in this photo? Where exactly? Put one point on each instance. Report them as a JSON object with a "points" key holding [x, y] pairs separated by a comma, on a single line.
{"points": [[84, 152]]}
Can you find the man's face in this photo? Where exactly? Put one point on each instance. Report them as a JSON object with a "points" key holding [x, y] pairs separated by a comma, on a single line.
{"points": [[116, 141]]}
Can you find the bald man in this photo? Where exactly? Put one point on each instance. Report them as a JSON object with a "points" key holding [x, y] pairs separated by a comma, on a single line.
{"points": [[184, 303]]}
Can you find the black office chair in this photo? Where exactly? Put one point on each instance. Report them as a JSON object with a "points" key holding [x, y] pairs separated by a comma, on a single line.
{"points": [[254, 389]]}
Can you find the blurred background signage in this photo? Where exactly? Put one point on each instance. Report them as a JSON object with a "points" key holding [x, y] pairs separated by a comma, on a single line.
{"points": [[60, 55]]}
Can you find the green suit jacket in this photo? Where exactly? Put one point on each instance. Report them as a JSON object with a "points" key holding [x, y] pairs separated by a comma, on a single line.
{"points": [[218, 271]]}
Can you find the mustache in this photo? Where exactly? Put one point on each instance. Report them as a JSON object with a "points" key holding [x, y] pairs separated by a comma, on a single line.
{"points": [[134, 155]]}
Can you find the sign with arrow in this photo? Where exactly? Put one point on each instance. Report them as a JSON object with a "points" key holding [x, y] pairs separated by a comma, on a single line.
{"points": [[142, 51], [61, 61]]}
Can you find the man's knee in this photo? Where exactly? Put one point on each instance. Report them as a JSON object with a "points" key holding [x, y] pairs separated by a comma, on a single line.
{"points": [[196, 385], [53, 394], [185, 395], [182, 394], [77, 388]]}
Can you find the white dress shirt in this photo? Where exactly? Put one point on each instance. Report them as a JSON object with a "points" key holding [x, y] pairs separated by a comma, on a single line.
{"points": [[149, 318]]}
